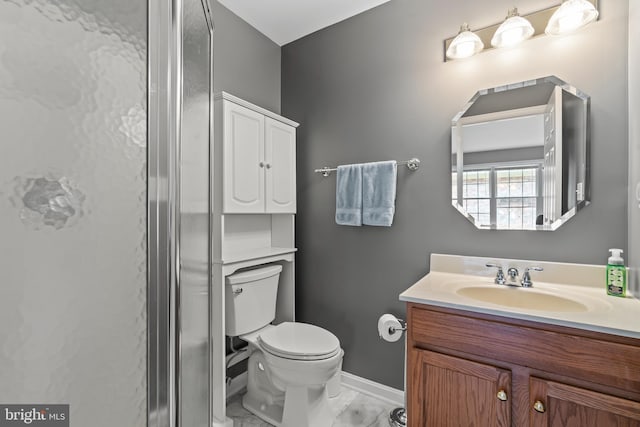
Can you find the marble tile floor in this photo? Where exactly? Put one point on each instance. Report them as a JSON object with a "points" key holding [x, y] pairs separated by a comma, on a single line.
{"points": [[353, 409]]}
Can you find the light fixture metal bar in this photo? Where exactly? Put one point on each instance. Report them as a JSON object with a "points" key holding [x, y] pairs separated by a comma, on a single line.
{"points": [[538, 20]]}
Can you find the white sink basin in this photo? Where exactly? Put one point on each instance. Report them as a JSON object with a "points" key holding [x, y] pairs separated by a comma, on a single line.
{"points": [[524, 298], [542, 297]]}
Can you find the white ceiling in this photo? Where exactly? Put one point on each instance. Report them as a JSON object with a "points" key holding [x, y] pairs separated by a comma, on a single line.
{"points": [[284, 21]]}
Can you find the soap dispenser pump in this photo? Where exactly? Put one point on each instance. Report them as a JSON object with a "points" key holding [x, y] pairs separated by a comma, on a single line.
{"points": [[616, 274]]}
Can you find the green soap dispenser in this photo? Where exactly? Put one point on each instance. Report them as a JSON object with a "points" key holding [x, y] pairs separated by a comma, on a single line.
{"points": [[616, 274]]}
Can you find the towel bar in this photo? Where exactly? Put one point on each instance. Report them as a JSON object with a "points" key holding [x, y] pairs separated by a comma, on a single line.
{"points": [[412, 164]]}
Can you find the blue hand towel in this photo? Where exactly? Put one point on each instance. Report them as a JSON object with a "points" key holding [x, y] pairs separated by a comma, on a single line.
{"points": [[349, 195], [379, 192]]}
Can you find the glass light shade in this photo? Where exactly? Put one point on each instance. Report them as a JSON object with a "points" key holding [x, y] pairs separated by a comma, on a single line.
{"points": [[570, 16], [465, 44], [512, 31]]}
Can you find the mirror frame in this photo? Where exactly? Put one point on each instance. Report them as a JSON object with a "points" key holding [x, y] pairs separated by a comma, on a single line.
{"points": [[586, 116]]}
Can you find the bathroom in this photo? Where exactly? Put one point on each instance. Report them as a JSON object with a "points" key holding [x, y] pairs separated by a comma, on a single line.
{"points": [[372, 87]]}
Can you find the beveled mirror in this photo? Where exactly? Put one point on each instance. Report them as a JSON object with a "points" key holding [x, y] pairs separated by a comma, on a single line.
{"points": [[520, 155]]}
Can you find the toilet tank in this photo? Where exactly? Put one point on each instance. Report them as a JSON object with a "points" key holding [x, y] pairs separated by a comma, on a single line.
{"points": [[250, 299]]}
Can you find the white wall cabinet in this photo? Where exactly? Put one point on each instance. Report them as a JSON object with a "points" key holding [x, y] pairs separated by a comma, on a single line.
{"points": [[259, 158]]}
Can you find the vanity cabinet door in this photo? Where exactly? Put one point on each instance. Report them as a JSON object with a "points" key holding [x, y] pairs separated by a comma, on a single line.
{"points": [[454, 392], [560, 405]]}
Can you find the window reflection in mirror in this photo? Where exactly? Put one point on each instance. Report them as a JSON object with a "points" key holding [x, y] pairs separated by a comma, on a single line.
{"points": [[520, 156]]}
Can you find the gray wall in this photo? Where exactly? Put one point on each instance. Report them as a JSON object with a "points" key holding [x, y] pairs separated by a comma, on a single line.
{"points": [[634, 146], [375, 87], [246, 63]]}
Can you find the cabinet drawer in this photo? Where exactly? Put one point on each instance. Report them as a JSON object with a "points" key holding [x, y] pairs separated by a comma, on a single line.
{"points": [[534, 345]]}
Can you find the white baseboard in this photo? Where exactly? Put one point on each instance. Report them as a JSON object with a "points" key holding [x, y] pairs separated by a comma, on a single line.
{"points": [[371, 388]]}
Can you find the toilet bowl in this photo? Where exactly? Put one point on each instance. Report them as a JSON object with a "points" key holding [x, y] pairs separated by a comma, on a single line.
{"points": [[289, 363], [289, 367]]}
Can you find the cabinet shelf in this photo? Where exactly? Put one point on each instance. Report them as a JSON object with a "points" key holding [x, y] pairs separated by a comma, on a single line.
{"points": [[254, 254]]}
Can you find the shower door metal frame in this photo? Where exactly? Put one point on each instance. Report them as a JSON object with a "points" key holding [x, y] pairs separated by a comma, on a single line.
{"points": [[164, 106], [162, 215]]}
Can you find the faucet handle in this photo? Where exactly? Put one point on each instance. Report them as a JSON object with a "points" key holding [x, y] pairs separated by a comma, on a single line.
{"points": [[499, 280], [526, 277]]}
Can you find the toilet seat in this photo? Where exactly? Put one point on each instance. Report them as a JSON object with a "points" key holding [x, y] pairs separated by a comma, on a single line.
{"points": [[299, 341]]}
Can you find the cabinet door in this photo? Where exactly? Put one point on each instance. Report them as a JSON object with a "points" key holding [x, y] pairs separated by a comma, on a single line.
{"points": [[560, 405], [280, 164], [448, 391], [243, 150]]}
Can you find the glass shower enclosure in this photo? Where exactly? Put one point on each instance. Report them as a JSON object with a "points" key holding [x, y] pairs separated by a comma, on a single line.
{"points": [[106, 119]]}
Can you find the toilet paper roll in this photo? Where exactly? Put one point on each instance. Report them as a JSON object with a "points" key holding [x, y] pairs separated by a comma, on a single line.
{"points": [[389, 328]]}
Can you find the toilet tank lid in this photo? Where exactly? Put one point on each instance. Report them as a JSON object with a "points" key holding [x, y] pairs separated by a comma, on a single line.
{"points": [[253, 274]]}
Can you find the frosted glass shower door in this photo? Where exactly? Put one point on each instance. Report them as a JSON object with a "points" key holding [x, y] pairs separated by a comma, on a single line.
{"points": [[73, 89]]}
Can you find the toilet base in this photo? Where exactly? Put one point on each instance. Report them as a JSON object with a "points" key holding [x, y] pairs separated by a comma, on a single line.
{"points": [[269, 412], [307, 407], [298, 406], [262, 398], [304, 407]]}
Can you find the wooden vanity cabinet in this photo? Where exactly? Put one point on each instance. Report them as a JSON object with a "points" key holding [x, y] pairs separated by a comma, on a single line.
{"points": [[472, 369]]}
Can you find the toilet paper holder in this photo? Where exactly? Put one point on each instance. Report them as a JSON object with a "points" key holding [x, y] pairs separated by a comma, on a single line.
{"points": [[396, 328], [390, 328], [403, 327]]}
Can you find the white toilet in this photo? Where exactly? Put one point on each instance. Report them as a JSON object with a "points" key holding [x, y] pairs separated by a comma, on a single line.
{"points": [[290, 363]]}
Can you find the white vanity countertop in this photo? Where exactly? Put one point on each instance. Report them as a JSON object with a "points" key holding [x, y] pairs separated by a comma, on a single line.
{"points": [[584, 284]]}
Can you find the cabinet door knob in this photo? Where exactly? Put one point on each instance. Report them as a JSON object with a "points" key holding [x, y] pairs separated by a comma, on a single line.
{"points": [[268, 165], [502, 395], [261, 164], [237, 291], [539, 407]]}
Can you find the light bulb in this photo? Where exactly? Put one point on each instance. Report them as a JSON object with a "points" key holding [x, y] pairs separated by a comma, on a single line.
{"points": [[570, 16], [465, 44], [512, 31]]}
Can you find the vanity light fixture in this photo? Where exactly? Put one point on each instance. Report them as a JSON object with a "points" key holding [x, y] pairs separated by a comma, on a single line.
{"points": [[465, 44], [513, 30], [570, 16], [566, 16]]}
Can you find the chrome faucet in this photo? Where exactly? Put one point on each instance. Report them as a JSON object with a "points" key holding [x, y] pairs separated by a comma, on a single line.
{"points": [[513, 273], [526, 278]]}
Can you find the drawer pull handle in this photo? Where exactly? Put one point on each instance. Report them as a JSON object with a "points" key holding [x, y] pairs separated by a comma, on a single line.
{"points": [[539, 407], [502, 395]]}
